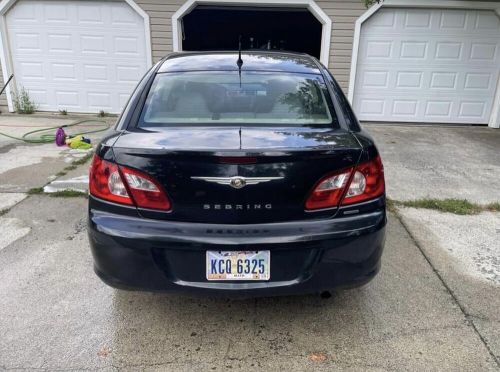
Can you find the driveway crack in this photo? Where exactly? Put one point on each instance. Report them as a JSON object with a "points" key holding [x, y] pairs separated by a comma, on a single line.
{"points": [[468, 317]]}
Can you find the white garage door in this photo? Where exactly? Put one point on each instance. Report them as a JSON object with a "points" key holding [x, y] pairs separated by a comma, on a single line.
{"points": [[420, 65], [81, 56]]}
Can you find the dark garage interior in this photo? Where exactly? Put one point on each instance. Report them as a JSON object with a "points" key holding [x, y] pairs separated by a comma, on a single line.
{"points": [[218, 28]]}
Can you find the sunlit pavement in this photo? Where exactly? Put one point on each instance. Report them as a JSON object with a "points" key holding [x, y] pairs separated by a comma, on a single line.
{"points": [[57, 315], [426, 310]]}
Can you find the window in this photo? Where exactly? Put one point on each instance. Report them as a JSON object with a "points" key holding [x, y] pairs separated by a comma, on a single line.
{"points": [[221, 98]]}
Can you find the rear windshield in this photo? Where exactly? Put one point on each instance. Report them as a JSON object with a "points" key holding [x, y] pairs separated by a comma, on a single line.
{"points": [[222, 98]]}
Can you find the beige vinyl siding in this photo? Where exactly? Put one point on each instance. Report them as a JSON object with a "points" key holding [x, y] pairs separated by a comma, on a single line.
{"points": [[3, 99], [342, 12]]}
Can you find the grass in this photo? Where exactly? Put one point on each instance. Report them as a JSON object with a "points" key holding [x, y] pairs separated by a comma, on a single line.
{"points": [[64, 193], [75, 164], [58, 194], [3, 211], [67, 194], [455, 206], [35, 190], [391, 205], [492, 207], [70, 167], [83, 160]]}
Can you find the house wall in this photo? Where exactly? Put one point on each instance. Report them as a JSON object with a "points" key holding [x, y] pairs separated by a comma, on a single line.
{"points": [[342, 12], [3, 99]]}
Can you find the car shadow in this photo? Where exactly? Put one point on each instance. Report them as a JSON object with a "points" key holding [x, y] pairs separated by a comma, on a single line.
{"points": [[174, 328]]}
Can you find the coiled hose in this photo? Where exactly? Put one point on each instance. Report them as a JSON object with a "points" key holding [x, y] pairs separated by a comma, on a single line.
{"points": [[47, 138]]}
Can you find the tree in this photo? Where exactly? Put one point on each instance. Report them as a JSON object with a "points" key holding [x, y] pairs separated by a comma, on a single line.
{"points": [[369, 3]]}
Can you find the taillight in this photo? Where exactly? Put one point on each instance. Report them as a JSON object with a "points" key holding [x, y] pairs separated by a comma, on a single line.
{"points": [[106, 183], [362, 183], [123, 185], [146, 192], [328, 191], [367, 183]]}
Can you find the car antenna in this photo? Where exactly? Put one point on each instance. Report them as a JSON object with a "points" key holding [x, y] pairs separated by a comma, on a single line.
{"points": [[239, 62]]}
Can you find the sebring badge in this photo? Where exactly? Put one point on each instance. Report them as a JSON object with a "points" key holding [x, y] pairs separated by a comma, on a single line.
{"points": [[237, 182]]}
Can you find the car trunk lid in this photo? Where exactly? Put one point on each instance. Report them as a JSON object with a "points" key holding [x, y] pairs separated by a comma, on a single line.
{"points": [[237, 175]]}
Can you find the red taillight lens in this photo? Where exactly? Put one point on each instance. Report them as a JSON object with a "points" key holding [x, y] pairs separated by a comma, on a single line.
{"points": [[106, 183], [146, 192], [363, 183], [328, 191], [367, 183], [123, 185]]}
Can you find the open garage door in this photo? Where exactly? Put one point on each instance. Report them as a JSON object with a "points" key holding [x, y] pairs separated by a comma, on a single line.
{"points": [[209, 27]]}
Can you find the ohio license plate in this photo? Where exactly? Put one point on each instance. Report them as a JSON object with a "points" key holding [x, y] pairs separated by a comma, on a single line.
{"points": [[234, 265]]}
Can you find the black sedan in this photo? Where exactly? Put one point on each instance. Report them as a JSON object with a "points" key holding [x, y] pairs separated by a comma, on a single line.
{"points": [[239, 175]]}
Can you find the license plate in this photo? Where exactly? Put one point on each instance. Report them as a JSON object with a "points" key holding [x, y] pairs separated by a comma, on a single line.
{"points": [[234, 265]]}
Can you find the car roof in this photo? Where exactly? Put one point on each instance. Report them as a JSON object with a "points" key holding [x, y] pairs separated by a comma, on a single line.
{"points": [[252, 61]]}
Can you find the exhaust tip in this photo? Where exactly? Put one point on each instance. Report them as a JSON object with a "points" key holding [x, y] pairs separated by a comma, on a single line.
{"points": [[325, 295]]}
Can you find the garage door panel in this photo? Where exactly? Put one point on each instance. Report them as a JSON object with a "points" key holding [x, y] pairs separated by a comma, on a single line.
{"points": [[66, 72], [440, 49], [27, 42], [59, 43], [92, 65], [487, 21], [127, 45], [434, 20], [398, 79], [51, 42], [61, 13], [100, 100], [25, 14], [72, 98], [472, 110], [90, 14], [92, 44], [428, 65], [483, 51], [68, 98], [121, 16], [128, 74], [40, 96], [57, 13], [52, 71], [31, 71], [415, 109], [443, 80], [409, 79], [479, 81]]}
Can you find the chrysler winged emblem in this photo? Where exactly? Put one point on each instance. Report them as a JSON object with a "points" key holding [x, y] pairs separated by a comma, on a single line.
{"points": [[237, 182]]}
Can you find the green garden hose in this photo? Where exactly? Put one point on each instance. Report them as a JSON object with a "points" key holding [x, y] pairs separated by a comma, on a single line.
{"points": [[47, 138]]}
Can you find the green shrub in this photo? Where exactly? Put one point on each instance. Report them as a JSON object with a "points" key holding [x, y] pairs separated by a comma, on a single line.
{"points": [[369, 3], [23, 103]]}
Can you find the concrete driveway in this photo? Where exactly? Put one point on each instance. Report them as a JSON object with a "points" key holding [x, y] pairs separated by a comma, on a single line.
{"points": [[464, 251], [422, 312], [440, 161]]}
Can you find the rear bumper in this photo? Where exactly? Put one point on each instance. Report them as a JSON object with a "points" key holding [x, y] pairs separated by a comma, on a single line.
{"points": [[306, 256]]}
